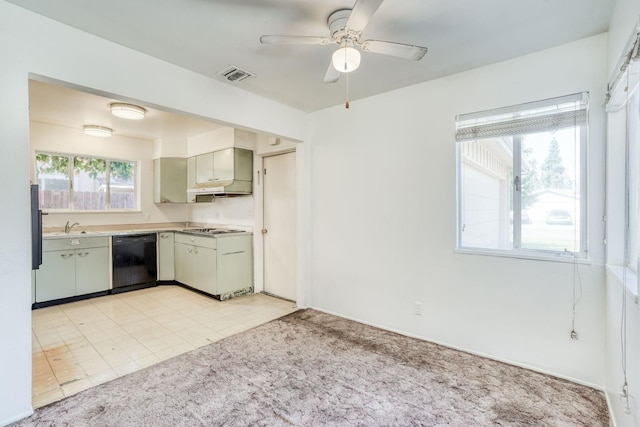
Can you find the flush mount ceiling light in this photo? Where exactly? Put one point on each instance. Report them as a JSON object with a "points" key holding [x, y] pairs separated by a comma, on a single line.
{"points": [[347, 58], [95, 130], [127, 111]]}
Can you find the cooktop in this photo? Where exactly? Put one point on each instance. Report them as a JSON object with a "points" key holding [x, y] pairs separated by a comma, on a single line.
{"points": [[210, 231]]}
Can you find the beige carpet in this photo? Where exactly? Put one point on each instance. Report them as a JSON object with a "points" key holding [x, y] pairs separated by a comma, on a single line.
{"points": [[313, 369]]}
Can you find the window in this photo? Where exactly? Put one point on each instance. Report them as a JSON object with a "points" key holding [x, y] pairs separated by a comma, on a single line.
{"points": [[623, 108], [521, 179], [633, 170], [82, 183]]}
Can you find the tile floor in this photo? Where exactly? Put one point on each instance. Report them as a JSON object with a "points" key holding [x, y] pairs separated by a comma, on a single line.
{"points": [[86, 343]]}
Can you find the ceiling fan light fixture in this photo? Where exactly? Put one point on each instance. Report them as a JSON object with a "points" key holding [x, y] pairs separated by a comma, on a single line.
{"points": [[95, 130], [127, 111], [346, 59]]}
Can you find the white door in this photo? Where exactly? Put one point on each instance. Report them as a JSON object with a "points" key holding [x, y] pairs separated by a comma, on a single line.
{"points": [[279, 234]]}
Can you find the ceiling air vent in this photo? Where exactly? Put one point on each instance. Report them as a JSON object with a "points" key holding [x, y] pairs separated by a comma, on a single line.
{"points": [[234, 74]]}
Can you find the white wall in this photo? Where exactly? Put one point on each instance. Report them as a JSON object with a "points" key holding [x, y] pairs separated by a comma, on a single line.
{"points": [[621, 27], [615, 301], [624, 20], [15, 253], [33, 44], [383, 201]]}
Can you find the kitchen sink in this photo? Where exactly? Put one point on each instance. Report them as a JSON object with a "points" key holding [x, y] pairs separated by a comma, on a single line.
{"points": [[62, 233], [74, 234]]}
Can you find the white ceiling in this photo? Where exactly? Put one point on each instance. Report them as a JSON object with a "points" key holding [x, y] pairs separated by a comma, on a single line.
{"points": [[72, 108], [208, 35]]}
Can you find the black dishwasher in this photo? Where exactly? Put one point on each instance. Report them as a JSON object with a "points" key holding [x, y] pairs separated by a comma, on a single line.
{"points": [[134, 262]]}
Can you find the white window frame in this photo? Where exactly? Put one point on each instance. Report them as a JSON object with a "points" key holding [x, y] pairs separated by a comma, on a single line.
{"points": [[632, 184], [623, 97], [71, 157], [474, 126]]}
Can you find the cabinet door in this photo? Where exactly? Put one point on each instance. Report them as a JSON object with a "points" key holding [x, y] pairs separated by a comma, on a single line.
{"points": [[166, 256], [92, 270], [191, 172], [223, 165], [56, 277], [204, 168], [170, 180], [203, 262], [235, 263], [182, 267]]}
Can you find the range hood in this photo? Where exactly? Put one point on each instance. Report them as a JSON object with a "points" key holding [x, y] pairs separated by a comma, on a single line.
{"points": [[221, 173], [207, 193]]}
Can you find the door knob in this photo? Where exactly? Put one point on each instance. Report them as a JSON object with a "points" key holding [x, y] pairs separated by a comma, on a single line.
{"points": [[264, 231]]}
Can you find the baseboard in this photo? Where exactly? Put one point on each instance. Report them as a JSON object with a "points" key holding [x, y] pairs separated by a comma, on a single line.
{"points": [[475, 353], [16, 418], [612, 419]]}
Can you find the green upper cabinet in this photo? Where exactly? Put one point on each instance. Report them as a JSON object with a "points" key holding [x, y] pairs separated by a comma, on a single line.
{"points": [[204, 169], [223, 166], [170, 180], [230, 170], [191, 172]]}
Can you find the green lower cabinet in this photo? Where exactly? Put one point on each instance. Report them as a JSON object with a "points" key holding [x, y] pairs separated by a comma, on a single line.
{"points": [[166, 256], [92, 270], [235, 264], [222, 267], [195, 265], [204, 269], [56, 277], [72, 267]]}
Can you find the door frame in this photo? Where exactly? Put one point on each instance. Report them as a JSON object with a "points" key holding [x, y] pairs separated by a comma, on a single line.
{"points": [[259, 230], [304, 230]]}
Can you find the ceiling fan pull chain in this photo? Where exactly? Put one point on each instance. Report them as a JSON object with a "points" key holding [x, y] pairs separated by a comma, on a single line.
{"points": [[346, 105]]}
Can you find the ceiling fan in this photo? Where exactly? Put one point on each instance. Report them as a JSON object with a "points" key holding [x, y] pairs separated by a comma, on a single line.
{"points": [[345, 28]]}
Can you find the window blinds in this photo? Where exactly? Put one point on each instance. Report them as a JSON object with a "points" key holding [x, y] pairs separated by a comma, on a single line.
{"points": [[626, 79], [539, 116]]}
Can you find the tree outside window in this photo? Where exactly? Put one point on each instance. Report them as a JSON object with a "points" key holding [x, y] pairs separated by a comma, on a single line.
{"points": [[520, 178], [85, 183]]}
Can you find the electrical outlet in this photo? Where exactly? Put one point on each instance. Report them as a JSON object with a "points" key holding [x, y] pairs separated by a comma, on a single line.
{"points": [[417, 308]]}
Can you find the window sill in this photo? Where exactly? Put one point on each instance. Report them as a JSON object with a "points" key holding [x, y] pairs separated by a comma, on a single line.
{"points": [[525, 255], [631, 284]]}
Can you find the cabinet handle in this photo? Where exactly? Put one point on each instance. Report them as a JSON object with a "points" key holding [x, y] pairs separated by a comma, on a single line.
{"points": [[83, 254], [195, 250], [65, 256], [233, 253], [189, 250], [164, 236]]}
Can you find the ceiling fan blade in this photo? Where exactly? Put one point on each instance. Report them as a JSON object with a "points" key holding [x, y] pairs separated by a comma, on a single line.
{"points": [[399, 50], [295, 40], [332, 74], [361, 14]]}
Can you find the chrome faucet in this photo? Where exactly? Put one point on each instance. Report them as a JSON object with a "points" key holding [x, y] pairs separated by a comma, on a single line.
{"points": [[67, 227]]}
